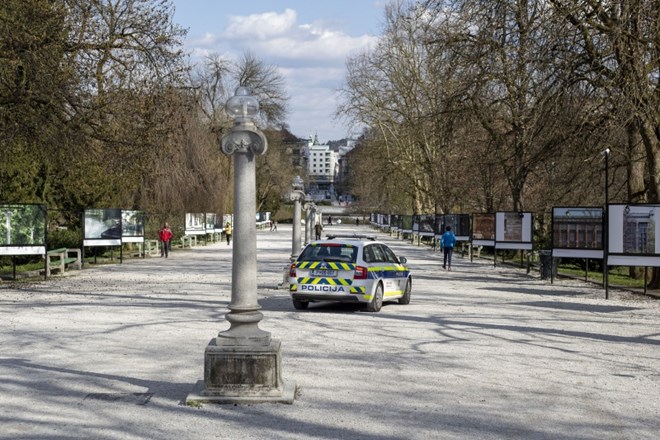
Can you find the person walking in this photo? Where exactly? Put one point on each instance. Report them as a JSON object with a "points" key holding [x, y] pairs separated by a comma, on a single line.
{"points": [[447, 242], [274, 224], [228, 232], [165, 236], [318, 228]]}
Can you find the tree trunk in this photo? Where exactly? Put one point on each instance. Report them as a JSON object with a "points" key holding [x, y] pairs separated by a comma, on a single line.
{"points": [[652, 147]]}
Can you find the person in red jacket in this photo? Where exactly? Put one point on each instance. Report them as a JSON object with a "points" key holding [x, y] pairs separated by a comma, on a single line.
{"points": [[165, 235]]}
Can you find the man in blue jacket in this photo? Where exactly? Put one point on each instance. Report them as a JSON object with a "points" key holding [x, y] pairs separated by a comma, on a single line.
{"points": [[447, 242]]}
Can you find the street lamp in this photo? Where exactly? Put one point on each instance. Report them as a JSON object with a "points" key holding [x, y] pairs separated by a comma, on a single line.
{"points": [[310, 208], [243, 364], [296, 196], [314, 220], [606, 231]]}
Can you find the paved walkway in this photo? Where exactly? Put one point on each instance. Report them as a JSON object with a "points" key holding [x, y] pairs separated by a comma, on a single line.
{"points": [[480, 353]]}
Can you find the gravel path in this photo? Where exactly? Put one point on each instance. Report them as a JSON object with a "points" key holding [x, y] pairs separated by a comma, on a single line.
{"points": [[480, 353]]}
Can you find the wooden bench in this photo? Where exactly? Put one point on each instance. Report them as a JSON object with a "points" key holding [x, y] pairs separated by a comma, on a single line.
{"points": [[59, 259]]}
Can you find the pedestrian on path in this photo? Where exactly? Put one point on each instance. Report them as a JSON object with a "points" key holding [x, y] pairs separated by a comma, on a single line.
{"points": [[318, 228], [447, 242], [228, 232], [274, 226], [165, 236]]}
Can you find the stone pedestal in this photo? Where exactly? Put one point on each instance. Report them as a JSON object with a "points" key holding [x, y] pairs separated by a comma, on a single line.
{"points": [[242, 374]]}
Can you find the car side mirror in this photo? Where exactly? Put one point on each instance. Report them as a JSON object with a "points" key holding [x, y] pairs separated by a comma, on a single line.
{"points": [[403, 260]]}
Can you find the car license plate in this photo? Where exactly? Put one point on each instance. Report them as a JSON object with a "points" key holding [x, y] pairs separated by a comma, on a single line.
{"points": [[323, 273]]}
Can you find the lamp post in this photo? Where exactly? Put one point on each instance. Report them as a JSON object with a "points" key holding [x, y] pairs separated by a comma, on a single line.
{"points": [[296, 196], [606, 221], [309, 204], [243, 364], [313, 220]]}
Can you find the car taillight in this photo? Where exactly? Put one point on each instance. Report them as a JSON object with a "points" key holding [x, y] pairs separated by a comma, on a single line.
{"points": [[360, 273], [292, 270]]}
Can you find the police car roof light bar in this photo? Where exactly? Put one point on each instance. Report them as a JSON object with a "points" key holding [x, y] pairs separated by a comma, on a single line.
{"points": [[356, 236]]}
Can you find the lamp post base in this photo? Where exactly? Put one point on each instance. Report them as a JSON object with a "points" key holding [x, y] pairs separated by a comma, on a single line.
{"points": [[242, 374]]}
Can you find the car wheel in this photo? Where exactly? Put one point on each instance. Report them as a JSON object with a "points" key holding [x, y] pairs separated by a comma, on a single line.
{"points": [[300, 305], [405, 299], [377, 301]]}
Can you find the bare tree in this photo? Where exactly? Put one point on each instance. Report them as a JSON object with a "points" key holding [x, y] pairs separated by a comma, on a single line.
{"points": [[516, 90], [265, 82], [124, 44], [620, 53], [216, 81], [404, 90], [619, 46]]}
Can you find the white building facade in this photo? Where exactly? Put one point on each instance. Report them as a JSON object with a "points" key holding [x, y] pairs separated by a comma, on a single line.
{"points": [[323, 168], [322, 162]]}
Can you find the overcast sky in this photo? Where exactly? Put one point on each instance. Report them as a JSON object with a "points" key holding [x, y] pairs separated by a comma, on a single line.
{"points": [[307, 40]]}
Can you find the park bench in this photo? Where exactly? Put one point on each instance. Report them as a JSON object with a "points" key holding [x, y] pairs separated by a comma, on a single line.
{"points": [[59, 259], [152, 248], [188, 240]]}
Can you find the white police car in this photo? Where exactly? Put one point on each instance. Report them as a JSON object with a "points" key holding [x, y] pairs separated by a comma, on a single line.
{"points": [[349, 268]]}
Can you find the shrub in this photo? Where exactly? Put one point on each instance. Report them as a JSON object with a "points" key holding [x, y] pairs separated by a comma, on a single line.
{"points": [[64, 238]]}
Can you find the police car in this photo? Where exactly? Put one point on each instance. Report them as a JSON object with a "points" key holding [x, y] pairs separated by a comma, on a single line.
{"points": [[349, 268]]}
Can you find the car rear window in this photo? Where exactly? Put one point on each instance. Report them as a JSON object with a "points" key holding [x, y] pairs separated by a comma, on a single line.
{"points": [[345, 253]]}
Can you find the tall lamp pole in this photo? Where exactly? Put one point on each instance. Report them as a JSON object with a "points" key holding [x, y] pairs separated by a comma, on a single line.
{"points": [[296, 196], [606, 222], [310, 214], [243, 364]]}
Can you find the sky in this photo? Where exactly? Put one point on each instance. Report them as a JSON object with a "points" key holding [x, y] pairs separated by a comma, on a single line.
{"points": [[308, 41]]}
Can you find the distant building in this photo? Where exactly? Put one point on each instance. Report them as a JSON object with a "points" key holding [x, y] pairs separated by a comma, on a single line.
{"points": [[297, 149], [322, 167], [322, 163]]}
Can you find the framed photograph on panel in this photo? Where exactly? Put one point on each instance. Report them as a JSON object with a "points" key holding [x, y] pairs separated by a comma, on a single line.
{"points": [[132, 226], [483, 229], [406, 224], [194, 224], [633, 235], [426, 225], [513, 230], [577, 232], [22, 229], [459, 223], [102, 227]]}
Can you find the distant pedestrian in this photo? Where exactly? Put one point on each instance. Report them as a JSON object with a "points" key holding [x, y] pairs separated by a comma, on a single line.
{"points": [[165, 236], [274, 226], [357, 222], [330, 220], [228, 232], [447, 243], [318, 228]]}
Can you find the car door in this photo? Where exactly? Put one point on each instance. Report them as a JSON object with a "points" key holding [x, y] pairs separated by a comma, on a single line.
{"points": [[395, 271], [374, 257], [383, 269]]}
